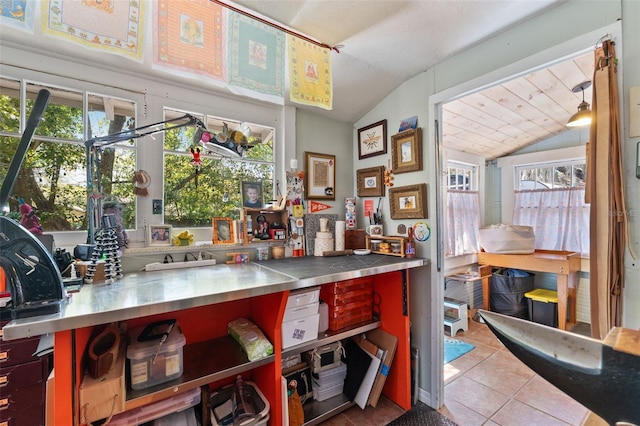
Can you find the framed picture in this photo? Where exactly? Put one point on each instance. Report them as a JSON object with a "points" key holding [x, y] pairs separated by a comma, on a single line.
{"points": [[408, 202], [371, 182], [159, 235], [252, 195], [222, 230], [320, 176], [406, 151], [372, 140]]}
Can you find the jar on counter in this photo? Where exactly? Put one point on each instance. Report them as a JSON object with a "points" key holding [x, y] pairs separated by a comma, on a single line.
{"points": [[375, 245], [396, 248]]}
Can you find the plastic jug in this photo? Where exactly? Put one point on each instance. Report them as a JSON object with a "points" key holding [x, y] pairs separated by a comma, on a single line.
{"points": [[242, 399]]}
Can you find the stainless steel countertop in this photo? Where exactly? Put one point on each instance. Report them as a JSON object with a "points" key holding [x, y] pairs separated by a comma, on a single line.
{"points": [[148, 293]]}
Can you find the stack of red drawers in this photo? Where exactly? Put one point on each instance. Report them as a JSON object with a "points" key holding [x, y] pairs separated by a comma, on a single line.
{"points": [[350, 302]]}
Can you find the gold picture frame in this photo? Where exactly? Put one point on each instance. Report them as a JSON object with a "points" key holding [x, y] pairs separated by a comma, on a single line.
{"points": [[371, 182], [408, 202], [223, 230], [372, 140], [406, 151], [320, 176]]}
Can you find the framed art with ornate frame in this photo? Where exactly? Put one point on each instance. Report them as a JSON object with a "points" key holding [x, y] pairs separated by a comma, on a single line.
{"points": [[408, 202], [371, 182], [372, 140], [406, 151], [320, 176], [223, 230]]}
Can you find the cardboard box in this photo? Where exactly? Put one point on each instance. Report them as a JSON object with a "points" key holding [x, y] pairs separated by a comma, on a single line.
{"points": [[300, 330], [83, 265], [387, 343], [100, 398]]}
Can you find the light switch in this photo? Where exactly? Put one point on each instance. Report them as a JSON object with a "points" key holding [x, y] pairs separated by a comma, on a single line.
{"points": [[634, 112]]}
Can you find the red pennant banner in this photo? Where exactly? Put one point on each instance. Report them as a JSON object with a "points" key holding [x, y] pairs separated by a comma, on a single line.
{"points": [[315, 206]]}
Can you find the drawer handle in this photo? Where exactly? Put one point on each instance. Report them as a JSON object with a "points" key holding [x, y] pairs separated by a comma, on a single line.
{"points": [[4, 356], [4, 380], [4, 403]]}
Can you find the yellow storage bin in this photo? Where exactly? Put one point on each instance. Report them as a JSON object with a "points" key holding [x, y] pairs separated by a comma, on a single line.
{"points": [[543, 306]]}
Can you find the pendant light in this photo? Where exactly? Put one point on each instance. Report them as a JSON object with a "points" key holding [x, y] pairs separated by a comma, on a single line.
{"points": [[583, 116]]}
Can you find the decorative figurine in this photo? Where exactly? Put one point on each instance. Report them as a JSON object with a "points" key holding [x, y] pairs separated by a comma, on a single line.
{"points": [[29, 219]]}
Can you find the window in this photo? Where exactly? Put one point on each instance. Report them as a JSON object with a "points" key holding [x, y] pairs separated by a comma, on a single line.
{"points": [[550, 198], [463, 209], [194, 195], [53, 175]]}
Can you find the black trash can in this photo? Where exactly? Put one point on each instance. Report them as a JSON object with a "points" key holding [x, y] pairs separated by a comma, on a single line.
{"points": [[508, 287]]}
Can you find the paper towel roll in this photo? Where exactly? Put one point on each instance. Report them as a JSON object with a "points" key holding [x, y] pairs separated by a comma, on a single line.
{"points": [[340, 231]]}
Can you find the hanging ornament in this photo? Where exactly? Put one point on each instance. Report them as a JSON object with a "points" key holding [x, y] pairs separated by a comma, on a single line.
{"points": [[141, 182], [388, 177], [196, 161]]}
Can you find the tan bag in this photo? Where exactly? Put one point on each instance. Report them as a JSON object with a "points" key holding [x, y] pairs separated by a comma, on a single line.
{"points": [[296, 413]]}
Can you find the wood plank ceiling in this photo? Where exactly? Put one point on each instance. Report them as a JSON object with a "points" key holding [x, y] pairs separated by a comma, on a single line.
{"points": [[505, 118]]}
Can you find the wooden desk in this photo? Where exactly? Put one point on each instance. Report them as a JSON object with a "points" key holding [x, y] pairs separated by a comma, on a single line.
{"points": [[564, 264]]}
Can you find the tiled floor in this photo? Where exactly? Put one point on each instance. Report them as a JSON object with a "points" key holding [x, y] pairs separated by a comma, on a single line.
{"points": [[487, 386]]}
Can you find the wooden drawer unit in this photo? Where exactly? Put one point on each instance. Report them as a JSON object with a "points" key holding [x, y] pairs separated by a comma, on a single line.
{"points": [[22, 382]]}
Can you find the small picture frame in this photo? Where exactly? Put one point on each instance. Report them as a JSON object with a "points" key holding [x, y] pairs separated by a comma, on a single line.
{"points": [[406, 151], [252, 195], [223, 230], [159, 235], [408, 202], [372, 140], [320, 176], [371, 182]]}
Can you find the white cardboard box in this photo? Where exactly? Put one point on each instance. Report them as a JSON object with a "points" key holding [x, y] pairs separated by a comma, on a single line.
{"points": [[303, 297], [296, 312], [300, 330]]}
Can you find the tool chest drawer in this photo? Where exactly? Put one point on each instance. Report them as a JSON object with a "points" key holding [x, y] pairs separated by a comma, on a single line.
{"points": [[18, 351], [21, 375]]}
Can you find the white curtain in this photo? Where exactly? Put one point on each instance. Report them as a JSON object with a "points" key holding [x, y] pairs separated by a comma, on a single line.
{"points": [[559, 217], [463, 222]]}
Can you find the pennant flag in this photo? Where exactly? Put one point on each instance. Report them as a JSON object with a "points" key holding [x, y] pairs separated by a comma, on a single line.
{"points": [[17, 14], [106, 25], [310, 81], [189, 36], [315, 206], [256, 55]]}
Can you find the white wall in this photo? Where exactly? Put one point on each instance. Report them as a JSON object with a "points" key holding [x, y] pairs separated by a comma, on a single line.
{"points": [[568, 28]]}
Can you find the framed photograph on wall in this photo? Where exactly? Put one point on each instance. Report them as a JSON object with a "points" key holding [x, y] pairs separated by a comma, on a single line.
{"points": [[159, 235], [320, 176], [372, 140], [371, 182], [252, 195], [408, 202], [406, 151], [223, 230]]}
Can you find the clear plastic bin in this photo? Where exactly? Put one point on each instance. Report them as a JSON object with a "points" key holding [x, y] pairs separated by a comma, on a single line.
{"points": [[331, 377], [321, 393], [151, 362]]}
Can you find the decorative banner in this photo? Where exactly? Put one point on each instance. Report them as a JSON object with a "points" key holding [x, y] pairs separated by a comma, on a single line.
{"points": [[256, 55], [17, 14], [114, 26], [310, 81], [315, 206], [190, 37]]}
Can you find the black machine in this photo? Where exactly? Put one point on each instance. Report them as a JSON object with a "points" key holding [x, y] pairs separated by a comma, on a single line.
{"points": [[31, 274]]}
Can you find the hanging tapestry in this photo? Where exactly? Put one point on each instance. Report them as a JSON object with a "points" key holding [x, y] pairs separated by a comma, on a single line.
{"points": [[17, 14], [114, 26], [189, 37], [256, 56], [310, 80]]}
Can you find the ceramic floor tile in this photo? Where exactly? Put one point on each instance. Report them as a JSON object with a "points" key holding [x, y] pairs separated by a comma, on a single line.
{"points": [[339, 420], [461, 414], [544, 396], [501, 373], [515, 413], [476, 396]]}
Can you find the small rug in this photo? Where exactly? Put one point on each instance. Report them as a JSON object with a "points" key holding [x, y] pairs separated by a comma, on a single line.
{"points": [[454, 348], [422, 415]]}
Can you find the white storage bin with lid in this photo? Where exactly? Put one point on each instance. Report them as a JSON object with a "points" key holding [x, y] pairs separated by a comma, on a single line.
{"points": [[300, 330], [155, 354], [303, 297], [158, 409], [327, 378], [320, 393]]}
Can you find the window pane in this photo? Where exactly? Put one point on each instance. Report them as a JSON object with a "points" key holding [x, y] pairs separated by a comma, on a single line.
{"points": [[63, 117], [9, 106], [110, 115]]}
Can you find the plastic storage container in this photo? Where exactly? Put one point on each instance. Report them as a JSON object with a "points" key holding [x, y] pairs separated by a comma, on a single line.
{"points": [[543, 306], [157, 410], [349, 320], [346, 298], [330, 377], [221, 406], [321, 393], [346, 286], [153, 358], [350, 310]]}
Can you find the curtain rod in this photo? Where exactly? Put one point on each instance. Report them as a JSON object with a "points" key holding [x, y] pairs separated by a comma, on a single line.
{"points": [[274, 25]]}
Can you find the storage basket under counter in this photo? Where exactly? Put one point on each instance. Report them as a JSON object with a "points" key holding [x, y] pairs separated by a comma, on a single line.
{"points": [[389, 245]]}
